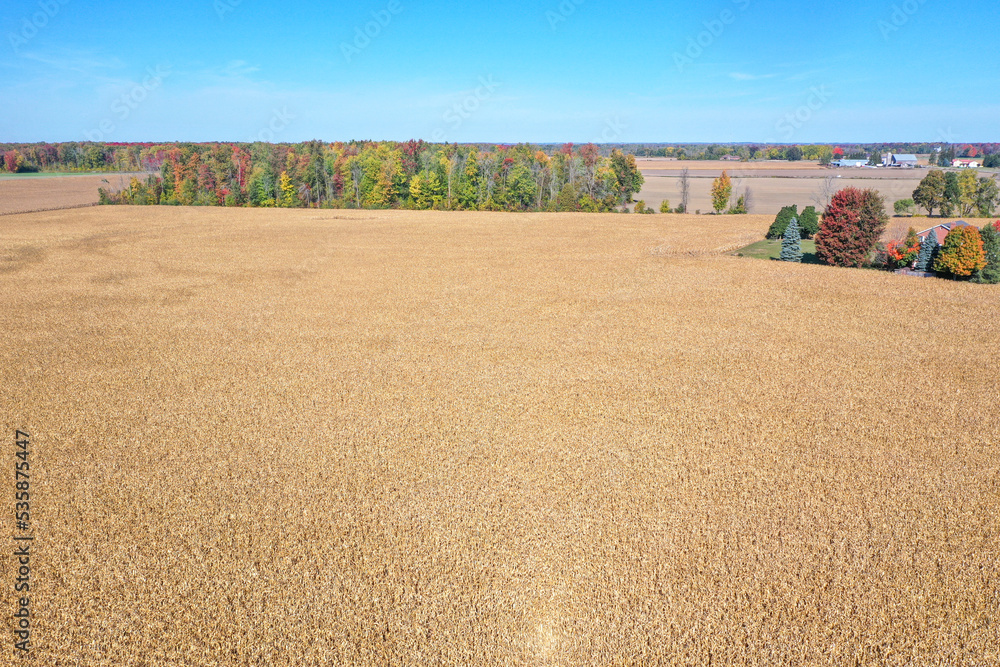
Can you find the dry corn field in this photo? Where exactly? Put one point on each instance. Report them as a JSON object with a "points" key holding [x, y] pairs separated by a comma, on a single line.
{"points": [[303, 437]]}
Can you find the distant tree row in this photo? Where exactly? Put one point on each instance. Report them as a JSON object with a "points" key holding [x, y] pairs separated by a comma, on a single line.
{"points": [[413, 175], [96, 156], [954, 193]]}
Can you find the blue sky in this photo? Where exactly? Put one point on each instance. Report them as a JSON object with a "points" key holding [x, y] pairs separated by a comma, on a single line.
{"points": [[546, 71]]}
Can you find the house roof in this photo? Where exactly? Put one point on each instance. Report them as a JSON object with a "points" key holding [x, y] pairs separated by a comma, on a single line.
{"points": [[941, 231], [966, 159], [905, 157]]}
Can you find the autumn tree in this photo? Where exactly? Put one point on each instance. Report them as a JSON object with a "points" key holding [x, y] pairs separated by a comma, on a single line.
{"points": [[628, 178], [722, 191], [287, 199], [961, 253], [851, 227], [968, 190]]}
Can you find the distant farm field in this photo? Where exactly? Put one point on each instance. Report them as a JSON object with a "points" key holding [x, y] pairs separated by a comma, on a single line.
{"points": [[314, 437], [36, 192]]}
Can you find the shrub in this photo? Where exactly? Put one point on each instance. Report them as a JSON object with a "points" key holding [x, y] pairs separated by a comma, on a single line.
{"points": [[665, 206], [781, 221], [962, 253], [903, 253], [905, 207], [640, 206], [851, 227], [740, 207], [791, 243]]}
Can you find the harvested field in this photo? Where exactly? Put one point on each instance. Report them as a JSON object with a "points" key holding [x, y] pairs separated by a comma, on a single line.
{"points": [[774, 183], [325, 437], [645, 163], [40, 192], [771, 192]]}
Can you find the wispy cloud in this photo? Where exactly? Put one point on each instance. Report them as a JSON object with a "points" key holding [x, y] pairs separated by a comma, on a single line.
{"points": [[741, 76]]}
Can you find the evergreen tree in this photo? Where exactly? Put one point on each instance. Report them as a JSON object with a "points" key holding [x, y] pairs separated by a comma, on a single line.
{"points": [[928, 251], [791, 244], [990, 274], [781, 221]]}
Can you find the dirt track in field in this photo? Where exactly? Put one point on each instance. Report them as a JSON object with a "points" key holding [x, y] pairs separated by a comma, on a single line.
{"points": [[325, 437]]}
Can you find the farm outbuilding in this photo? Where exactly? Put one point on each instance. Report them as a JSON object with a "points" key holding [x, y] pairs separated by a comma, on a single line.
{"points": [[902, 160]]}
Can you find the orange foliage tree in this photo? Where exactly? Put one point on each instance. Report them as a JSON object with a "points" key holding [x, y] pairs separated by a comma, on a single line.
{"points": [[962, 253]]}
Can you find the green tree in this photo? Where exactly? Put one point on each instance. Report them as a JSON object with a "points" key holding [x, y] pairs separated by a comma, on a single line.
{"points": [[793, 153], [808, 222], [987, 195], [791, 243], [990, 274], [665, 206], [952, 194], [930, 192], [722, 190], [785, 215]]}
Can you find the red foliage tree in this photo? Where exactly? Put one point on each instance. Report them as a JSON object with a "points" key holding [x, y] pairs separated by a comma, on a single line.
{"points": [[851, 227]]}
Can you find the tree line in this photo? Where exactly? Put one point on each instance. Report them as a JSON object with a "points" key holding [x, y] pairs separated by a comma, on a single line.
{"points": [[378, 175]]}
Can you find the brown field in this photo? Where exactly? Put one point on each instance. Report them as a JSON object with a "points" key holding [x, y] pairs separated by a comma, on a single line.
{"points": [[645, 163], [771, 191], [37, 193], [306, 437]]}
